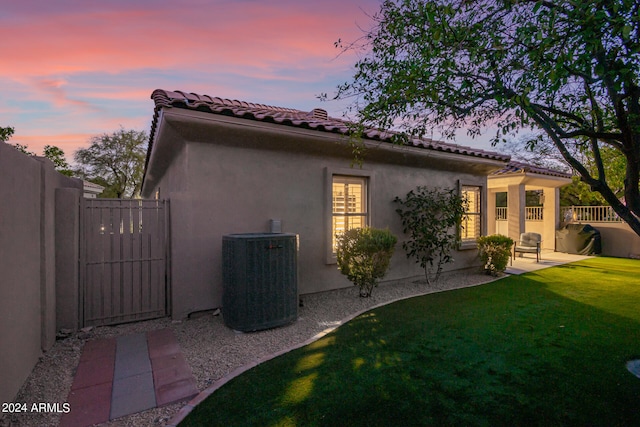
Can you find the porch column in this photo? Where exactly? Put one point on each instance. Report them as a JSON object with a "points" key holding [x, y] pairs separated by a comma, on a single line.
{"points": [[491, 212], [516, 203], [551, 217]]}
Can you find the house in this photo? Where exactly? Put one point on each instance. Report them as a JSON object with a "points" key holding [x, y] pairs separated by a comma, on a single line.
{"points": [[514, 181], [237, 167], [91, 190], [517, 182]]}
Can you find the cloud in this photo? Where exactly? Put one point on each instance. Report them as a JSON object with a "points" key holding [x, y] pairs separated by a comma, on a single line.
{"points": [[225, 35], [54, 90], [77, 68]]}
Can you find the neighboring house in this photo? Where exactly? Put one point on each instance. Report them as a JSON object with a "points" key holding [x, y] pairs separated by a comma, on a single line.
{"points": [[91, 190], [236, 167]]}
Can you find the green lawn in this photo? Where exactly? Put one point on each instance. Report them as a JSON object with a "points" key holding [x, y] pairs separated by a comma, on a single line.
{"points": [[545, 348]]}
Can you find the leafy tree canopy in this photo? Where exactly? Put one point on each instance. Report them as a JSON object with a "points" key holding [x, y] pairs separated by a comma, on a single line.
{"points": [[24, 149], [5, 133], [541, 151], [53, 153], [568, 68], [579, 194], [535, 149], [56, 155], [116, 158]]}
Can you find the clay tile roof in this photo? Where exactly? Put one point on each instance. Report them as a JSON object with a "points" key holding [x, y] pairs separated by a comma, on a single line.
{"points": [[316, 120], [519, 167]]}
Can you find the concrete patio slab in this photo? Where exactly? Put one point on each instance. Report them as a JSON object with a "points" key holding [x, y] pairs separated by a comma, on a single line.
{"points": [[93, 372], [98, 348], [135, 343], [172, 375], [177, 391], [168, 361], [167, 349], [528, 263], [132, 363], [89, 406], [132, 394]]}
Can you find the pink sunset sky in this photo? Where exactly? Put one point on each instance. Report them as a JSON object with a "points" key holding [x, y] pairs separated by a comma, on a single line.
{"points": [[72, 69]]}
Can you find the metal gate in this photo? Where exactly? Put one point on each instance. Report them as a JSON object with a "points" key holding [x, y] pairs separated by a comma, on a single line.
{"points": [[123, 260]]}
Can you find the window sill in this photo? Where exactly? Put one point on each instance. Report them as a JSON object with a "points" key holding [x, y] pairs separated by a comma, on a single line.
{"points": [[468, 245], [331, 259]]}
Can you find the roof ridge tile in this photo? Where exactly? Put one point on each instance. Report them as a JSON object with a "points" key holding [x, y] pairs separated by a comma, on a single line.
{"points": [[314, 119]]}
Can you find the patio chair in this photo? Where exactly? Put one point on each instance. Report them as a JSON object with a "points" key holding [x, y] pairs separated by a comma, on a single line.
{"points": [[529, 243]]}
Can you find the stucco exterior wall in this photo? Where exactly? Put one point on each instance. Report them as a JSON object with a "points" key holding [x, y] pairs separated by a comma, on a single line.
{"points": [[240, 187], [539, 227], [27, 263], [175, 179]]}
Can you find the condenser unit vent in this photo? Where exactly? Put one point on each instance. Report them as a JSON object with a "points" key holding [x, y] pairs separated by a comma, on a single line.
{"points": [[260, 280]]}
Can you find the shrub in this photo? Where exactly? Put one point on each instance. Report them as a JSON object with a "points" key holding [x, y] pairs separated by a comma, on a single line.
{"points": [[494, 251], [364, 255], [430, 217]]}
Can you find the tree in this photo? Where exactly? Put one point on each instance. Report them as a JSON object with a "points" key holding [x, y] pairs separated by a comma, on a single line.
{"points": [[24, 149], [430, 217], [117, 158], [51, 152], [567, 68], [540, 151], [56, 155], [535, 149], [5, 133], [579, 194]]}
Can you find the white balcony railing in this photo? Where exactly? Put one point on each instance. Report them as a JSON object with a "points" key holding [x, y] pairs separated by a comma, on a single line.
{"points": [[567, 214], [589, 214], [501, 213], [533, 213]]}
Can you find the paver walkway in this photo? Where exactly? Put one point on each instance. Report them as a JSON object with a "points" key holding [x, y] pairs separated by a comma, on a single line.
{"points": [[129, 374]]}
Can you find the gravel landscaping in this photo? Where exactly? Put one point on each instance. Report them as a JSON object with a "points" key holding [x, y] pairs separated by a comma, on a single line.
{"points": [[211, 349]]}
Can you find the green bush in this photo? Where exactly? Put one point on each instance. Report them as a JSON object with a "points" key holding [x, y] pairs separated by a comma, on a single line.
{"points": [[364, 255], [494, 251]]}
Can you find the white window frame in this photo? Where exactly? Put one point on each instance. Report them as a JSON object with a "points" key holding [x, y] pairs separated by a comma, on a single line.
{"points": [[470, 243], [356, 175]]}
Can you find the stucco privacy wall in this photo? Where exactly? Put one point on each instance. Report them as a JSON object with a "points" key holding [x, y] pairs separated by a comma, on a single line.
{"points": [[27, 263], [618, 239], [236, 179], [67, 229]]}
